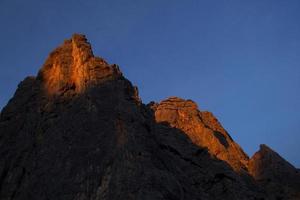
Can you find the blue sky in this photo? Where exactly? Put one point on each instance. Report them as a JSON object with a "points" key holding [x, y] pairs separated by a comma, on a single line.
{"points": [[239, 59]]}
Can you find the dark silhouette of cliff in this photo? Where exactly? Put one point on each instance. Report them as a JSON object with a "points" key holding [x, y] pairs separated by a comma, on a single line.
{"points": [[79, 131]]}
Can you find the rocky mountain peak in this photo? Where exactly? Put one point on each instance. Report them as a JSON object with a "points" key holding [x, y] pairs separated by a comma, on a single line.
{"points": [[102, 142], [202, 128], [263, 148], [277, 175], [73, 66], [266, 158]]}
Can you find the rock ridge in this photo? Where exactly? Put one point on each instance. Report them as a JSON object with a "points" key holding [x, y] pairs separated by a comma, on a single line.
{"points": [[202, 128], [102, 142], [74, 66], [279, 178]]}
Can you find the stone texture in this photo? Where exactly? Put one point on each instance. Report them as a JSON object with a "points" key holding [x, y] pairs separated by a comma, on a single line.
{"points": [[203, 129], [79, 131], [73, 66], [279, 178]]}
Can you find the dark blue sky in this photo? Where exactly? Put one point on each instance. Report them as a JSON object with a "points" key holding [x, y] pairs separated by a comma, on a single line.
{"points": [[239, 59]]}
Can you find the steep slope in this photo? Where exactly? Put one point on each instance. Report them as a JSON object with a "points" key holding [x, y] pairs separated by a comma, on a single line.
{"points": [[203, 129], [79, 131], [276, 175]]}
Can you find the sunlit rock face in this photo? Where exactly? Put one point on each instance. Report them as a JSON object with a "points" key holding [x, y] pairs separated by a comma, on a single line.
{"points": [[202, 128], [79, 131], [280, 179], [73, 66]]}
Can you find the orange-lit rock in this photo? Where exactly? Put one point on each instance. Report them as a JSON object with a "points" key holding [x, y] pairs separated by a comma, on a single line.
{"points": [[277, 176], [72, 66], [102, 142], [202, 128]]}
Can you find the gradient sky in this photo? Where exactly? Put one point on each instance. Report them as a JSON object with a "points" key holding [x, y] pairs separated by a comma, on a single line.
{"points": [[239, 59]]}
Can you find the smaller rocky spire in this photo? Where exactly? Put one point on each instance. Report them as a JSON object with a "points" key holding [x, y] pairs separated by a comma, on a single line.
{"points": [[202, 128], [275, 173]]}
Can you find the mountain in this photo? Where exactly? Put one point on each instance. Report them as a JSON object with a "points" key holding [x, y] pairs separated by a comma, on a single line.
{"points": [[203, 129], [280, 178], [79, 131]]}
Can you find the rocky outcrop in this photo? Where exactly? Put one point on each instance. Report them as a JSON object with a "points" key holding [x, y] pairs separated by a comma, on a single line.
{"points": [[73, 66], [203, 129], [279, 178], [79, 131]]}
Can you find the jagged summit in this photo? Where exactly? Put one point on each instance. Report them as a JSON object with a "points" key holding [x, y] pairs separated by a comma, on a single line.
{"points": [[265, 149], [279, 177], [202, 128], [266, 157], [73, 66], [79, 131]]}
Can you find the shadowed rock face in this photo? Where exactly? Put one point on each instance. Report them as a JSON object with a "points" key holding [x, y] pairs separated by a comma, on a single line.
{"points": [[79, 131], [276, 175]]}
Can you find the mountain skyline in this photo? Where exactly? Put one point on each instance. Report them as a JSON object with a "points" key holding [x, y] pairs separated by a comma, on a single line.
{"points": [[79, 130], [237, 59]]}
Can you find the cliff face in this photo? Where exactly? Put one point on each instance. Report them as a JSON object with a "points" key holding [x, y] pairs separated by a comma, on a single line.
{"points": [[79, 131], [203, 129], [276, 175], [72, 66]]}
